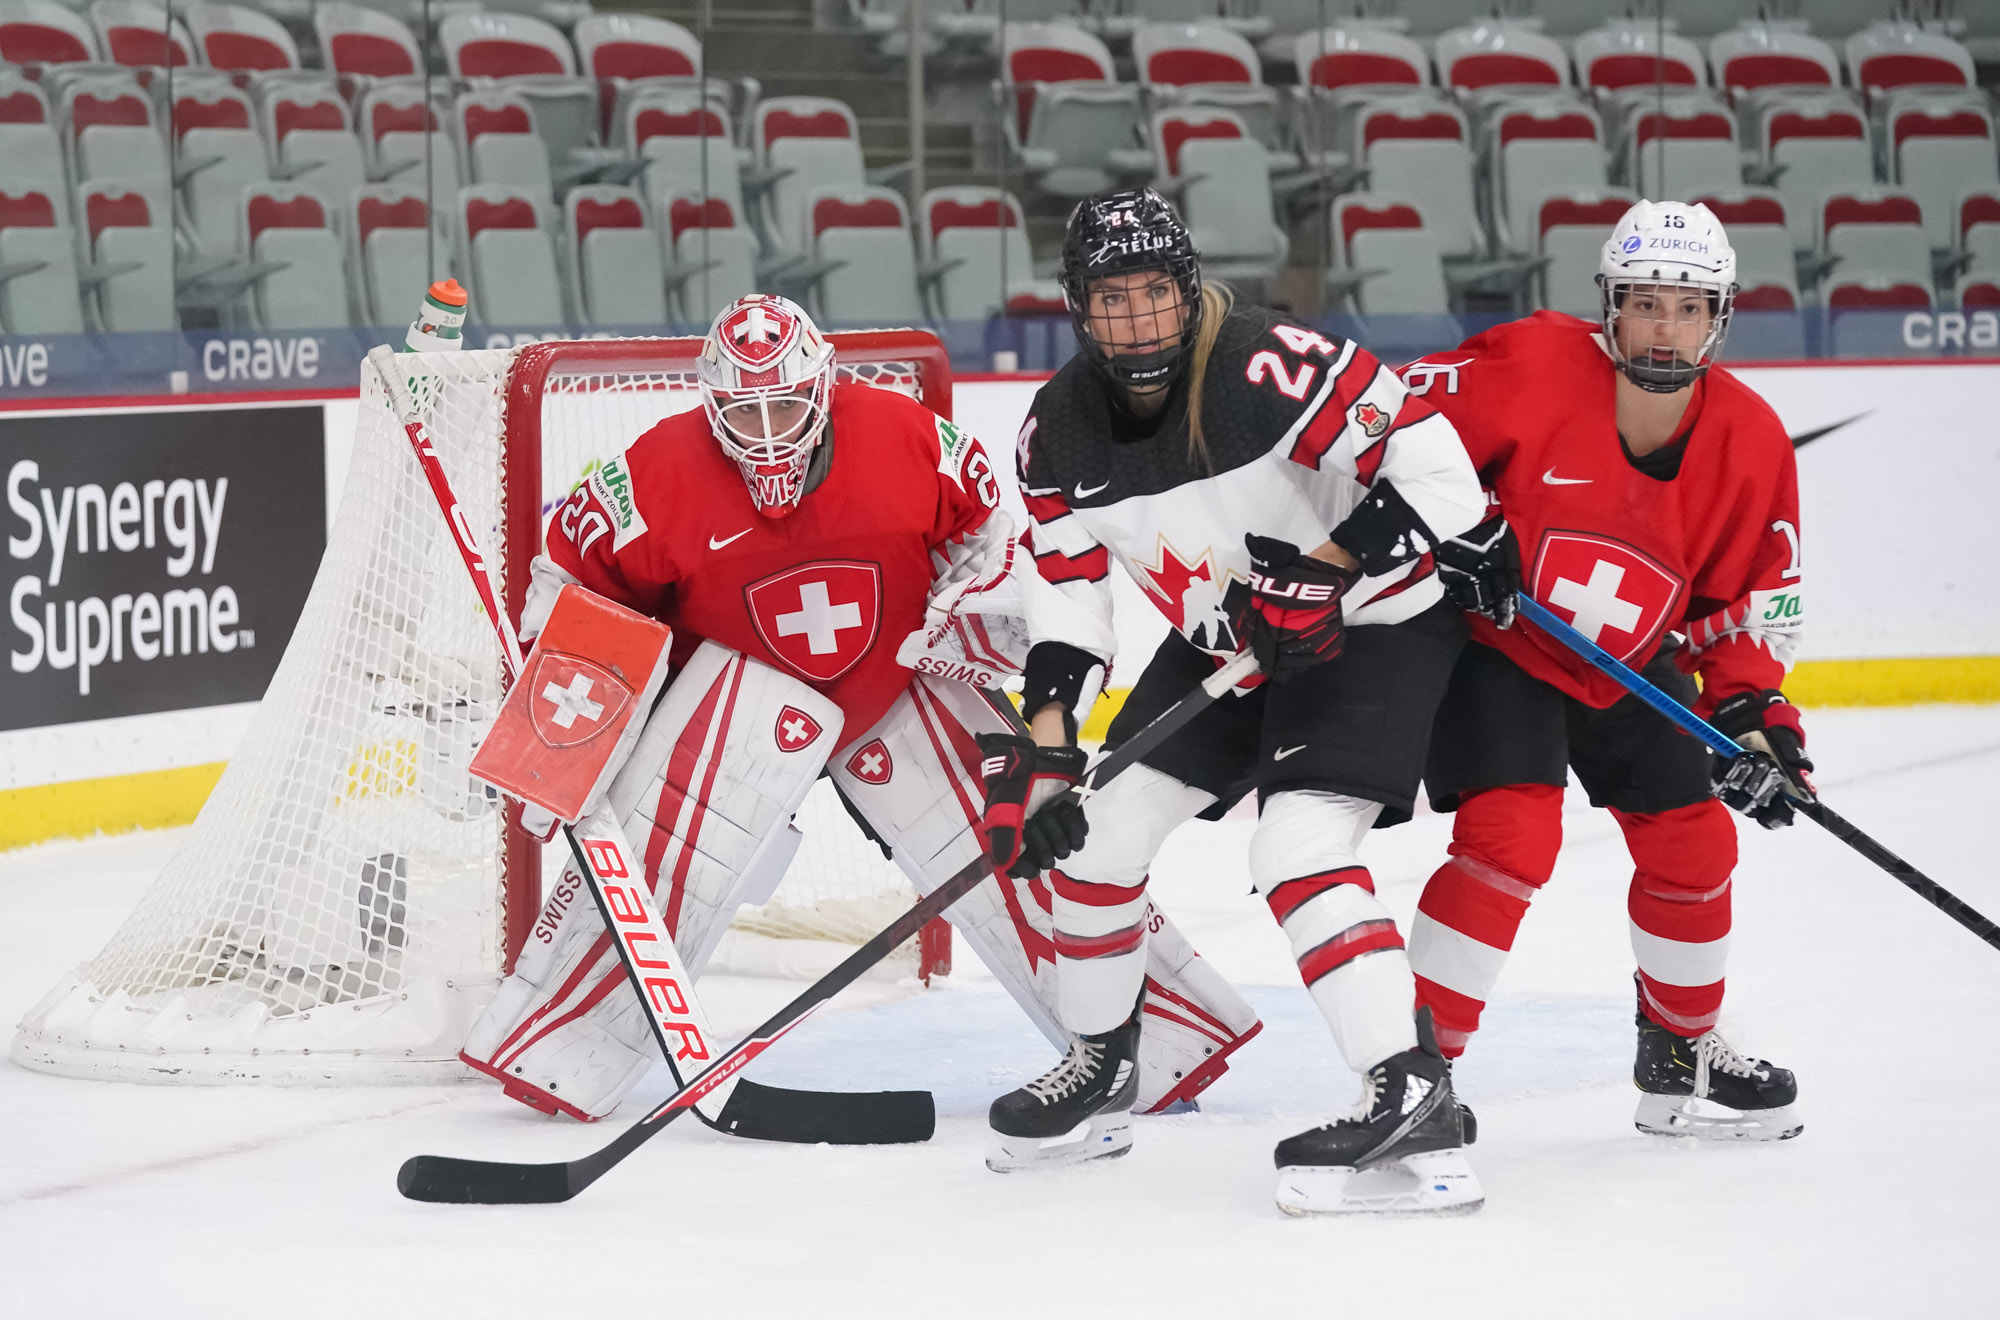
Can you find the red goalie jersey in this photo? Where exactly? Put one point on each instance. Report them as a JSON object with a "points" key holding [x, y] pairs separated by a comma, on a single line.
{"points": [[825, 594], [1712, 551]]}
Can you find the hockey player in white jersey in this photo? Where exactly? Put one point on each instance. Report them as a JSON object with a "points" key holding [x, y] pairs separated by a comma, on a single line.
{"points": [[1268, 487], [718, 521]]}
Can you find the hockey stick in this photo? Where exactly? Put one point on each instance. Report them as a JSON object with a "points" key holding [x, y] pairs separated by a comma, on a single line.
{"points": [[444, 1178], [749, 1109], [1723, 745]]}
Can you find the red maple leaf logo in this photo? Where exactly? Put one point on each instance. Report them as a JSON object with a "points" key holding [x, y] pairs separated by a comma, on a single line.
{"points": [[1190, 595]]}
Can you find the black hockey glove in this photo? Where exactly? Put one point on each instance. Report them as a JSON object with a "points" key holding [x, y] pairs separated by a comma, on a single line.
{"points": [[1290, 615], [1480, 570], [1033, 815], [1774, 767]]}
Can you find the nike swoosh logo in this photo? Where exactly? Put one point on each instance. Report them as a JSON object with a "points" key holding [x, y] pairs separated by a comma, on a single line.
{"points": [[1552, 479], [1805, 438], [1284, 752], [717, 544], [1083, 494]]}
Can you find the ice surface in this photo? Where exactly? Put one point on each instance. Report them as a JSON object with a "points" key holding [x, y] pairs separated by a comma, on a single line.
{"points": [[126, 1200]]}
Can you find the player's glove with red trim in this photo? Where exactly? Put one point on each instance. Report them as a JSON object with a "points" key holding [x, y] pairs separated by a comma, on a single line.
{"points": [[1290, 616], [1774, 768], [1480, 570], [1033, 816]]}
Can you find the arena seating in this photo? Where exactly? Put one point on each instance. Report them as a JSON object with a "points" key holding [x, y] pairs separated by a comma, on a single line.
{"points": [[1505, 140], [975, 246]]}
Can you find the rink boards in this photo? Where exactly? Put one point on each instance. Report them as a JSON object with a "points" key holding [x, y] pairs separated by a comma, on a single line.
{"points": [[1897, 469]]}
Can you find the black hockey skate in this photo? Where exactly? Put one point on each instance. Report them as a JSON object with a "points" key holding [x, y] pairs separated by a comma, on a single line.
{"points": [[1401, 1151], [1702, 1088], [1079, 1110]]}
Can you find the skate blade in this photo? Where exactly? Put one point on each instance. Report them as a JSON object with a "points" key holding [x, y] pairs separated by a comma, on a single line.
{"points": [[1101, 1137], [1437, 1182], [1685, 1116]]}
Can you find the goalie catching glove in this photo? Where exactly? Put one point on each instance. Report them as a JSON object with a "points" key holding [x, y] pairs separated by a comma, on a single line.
{"points": [[1773, 768], [1290, 615], [1480, 570], [1033, 816]]}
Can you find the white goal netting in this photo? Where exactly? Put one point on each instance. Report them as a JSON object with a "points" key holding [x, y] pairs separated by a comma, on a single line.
{"points": [[343, 904]]}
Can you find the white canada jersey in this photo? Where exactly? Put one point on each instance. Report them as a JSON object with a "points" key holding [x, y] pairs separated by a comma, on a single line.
{"points": [[1299, 427]]}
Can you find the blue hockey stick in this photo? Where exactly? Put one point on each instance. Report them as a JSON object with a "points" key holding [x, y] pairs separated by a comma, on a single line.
{"points": [[1723, 745]]}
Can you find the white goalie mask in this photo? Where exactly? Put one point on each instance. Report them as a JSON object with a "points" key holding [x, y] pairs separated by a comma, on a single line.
{"points": [[766, 376], [1659, 254]]}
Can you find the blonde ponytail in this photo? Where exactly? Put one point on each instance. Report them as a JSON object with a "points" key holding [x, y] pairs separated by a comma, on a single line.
{"points": [[1216, 301]]}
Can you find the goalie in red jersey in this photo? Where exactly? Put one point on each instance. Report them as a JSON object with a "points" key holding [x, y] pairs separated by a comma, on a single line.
{"points": [[1638, 490], [838, 577]]}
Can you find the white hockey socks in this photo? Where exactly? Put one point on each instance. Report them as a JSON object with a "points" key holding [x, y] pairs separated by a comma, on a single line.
{"points": [[1349, 953]]}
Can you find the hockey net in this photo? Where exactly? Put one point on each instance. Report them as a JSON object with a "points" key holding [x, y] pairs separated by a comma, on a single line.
{"points": [[349, 896]]}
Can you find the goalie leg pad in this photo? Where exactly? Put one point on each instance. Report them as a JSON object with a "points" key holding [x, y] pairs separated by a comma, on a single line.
{"points": [[1191, 1020], [915, 778], [721, 767], [708, 791]]}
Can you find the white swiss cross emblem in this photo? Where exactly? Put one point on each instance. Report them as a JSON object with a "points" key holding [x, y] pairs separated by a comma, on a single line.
{"points": [[818, 619], [1615, 595], [795, 729], [572, 701], [758, 336], [870, 763], [575, 699]]}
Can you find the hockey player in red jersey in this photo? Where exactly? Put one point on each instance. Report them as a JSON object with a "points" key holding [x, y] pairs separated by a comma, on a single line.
{"points": [[813, 545], [1266, 486], [1638, 490]]}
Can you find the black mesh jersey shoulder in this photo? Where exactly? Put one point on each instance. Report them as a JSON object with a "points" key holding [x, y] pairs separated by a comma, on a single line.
{"points": [[1081, 447]]}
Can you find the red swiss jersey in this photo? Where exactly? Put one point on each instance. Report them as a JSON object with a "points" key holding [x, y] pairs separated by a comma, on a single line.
{"points": [[1625, 557], [825, 594]]}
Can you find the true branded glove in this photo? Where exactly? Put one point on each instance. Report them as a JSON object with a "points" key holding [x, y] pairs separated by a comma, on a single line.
{"points": [[1033, 815], [1480, 570], [1773, 768], [1290, 616]]}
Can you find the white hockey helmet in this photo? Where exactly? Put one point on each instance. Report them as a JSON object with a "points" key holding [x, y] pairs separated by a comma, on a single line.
{"points": [[766, 375], [1666, 244]]}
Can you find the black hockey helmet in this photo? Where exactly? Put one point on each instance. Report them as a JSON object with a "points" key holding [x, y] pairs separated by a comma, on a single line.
{"points": [[1118, 233]]}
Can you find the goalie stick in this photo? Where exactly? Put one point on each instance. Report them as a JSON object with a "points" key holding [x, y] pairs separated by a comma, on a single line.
{"points": [[445, 1178], [750, 1109], [1723, 745]]}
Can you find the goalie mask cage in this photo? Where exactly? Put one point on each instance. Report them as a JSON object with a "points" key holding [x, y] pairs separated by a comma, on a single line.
{"points": [[349, 897]]}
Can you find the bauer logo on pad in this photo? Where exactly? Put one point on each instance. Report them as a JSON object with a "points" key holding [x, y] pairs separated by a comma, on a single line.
{"points": [[581, 698]]}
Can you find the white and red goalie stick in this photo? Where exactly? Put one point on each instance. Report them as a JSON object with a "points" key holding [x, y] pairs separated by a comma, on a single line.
{"points": [[645, 947]]}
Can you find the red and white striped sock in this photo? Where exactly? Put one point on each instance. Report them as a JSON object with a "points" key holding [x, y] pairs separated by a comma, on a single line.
{"points": [[1504, 844], [1679, 909]]}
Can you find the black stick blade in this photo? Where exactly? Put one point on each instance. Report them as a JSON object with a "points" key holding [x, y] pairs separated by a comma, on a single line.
{"points": [[839, 1118], [448, 1181]]}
